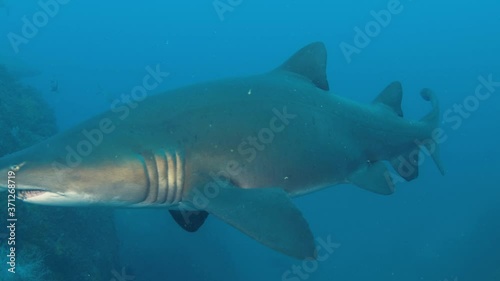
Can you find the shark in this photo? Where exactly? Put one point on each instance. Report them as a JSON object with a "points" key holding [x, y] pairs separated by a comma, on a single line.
{"points": [[239, 149]]}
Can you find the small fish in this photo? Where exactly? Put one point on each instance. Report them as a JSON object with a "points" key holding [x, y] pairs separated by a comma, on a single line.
{"points": [[54, 86]]}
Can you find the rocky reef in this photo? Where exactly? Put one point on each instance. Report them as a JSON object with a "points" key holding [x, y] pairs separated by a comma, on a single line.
{"points": [[25, 118], [52, 243]]}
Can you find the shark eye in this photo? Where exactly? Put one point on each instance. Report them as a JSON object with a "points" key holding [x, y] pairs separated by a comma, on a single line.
{"points": [[16, 168]]}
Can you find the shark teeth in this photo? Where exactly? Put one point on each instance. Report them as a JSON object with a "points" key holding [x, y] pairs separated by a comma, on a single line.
{"points": [[25, 194]]}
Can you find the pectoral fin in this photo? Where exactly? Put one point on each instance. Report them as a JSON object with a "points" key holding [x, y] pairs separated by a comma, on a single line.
{"points": [[265, 214], [190, 221]]}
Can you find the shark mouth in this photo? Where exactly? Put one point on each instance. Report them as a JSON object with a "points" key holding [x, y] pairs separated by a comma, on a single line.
{"points": [[29, 193]]}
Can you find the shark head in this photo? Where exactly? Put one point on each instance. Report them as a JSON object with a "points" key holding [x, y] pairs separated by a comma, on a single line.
{"points": [[76, 168]]}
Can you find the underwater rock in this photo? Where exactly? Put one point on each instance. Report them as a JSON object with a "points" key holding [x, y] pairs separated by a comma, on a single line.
{"points": [[25, 118], [51, 243], [17, 67]]}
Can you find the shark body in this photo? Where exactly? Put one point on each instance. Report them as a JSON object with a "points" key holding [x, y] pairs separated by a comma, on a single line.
{"points": [[236, 148]]}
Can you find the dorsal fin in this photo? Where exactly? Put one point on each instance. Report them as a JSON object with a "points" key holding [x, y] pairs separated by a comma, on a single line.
{"points": [[310, 62], [392, 96]]}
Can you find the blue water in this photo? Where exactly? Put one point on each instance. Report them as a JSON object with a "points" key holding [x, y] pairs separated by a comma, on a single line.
{"points": [[435, 228]]}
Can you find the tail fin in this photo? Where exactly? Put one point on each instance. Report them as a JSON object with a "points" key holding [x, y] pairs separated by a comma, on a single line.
{"points": [[407, 163], [432, 119]]}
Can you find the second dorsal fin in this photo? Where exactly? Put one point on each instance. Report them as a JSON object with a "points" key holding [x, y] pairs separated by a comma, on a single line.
{"points": [[392, 96]]}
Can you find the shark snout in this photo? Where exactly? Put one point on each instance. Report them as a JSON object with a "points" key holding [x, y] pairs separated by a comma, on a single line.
{"points": [[20, 176]]}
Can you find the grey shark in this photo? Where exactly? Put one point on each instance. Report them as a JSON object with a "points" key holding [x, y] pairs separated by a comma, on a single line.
{"points": [[237, 148]]}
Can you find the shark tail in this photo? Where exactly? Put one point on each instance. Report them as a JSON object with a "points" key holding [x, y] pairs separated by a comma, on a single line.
{"points": [[407, 164], [374, 176], [432, 120]]}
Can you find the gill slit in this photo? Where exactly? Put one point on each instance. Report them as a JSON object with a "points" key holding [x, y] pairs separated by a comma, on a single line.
{"points": [[148, 182], [164, 172]]}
